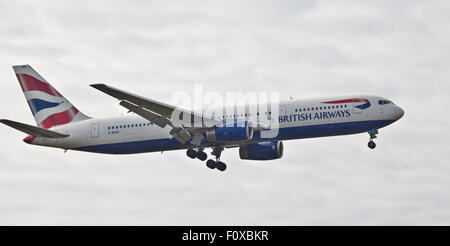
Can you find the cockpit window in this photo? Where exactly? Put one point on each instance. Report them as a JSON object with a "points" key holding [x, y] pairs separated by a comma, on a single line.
{"points": [[384, 102]]}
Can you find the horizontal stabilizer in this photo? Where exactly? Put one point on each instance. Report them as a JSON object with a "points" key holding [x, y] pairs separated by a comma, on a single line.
{"points": [[33, 130]]}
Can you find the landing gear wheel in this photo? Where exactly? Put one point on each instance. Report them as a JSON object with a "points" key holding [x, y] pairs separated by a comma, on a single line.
{"points": [[373, 134], [211, 164], [371, 144], [217, 163], [202, 156], [191, 153], [221, 166]]}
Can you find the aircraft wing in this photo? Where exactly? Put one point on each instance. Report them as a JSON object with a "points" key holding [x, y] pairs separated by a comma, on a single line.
{"points": [[33, 130], [157, 107], [158, 113]]}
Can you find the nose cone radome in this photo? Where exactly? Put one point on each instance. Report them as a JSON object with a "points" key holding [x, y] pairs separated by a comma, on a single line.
{"points": [[398, 113]]}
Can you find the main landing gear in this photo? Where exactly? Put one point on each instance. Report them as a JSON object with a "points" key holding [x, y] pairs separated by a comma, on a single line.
{"points": [[373, 134], [217, 163], [201, 155]]}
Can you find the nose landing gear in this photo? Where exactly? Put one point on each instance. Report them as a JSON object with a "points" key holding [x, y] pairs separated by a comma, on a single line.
{"points": [[373, 134]]}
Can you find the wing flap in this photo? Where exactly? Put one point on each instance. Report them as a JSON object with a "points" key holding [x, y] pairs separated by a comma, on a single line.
{"points": [[150, 116], [33, 130]]}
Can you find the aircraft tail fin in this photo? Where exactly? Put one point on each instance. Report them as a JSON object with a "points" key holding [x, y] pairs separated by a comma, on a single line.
{"points": [[48, 106]]}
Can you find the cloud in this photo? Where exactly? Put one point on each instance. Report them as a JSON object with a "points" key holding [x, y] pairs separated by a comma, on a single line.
{"points": [[399, 50]]}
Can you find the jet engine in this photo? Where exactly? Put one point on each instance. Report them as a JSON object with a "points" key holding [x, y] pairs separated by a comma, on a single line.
{"points": [[236, 131], [261, 151]]}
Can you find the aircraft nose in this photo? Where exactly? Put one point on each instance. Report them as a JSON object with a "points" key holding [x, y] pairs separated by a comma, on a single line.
{"points": [[399, 113]]}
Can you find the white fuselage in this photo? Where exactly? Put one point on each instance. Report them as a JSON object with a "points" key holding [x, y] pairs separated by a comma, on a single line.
{"points": [[297, 119]]}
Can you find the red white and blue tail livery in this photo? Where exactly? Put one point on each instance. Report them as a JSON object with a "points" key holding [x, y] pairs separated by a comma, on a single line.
{"points": [[61, 125], [48, 106]]}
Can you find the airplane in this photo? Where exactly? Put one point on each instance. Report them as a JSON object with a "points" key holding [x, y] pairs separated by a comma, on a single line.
{"points": [[152, 128]]}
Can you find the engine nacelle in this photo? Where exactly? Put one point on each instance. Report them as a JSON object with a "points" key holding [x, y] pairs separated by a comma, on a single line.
{"points": [[239, 131], [261, 151]]}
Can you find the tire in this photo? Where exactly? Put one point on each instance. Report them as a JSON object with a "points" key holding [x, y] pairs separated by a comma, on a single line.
{"points": [[191, 153], [202, 156], [211, 164], [221, 166], [372, 145]]}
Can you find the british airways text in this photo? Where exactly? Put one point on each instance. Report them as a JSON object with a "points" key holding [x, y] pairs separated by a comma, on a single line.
{"points": [[314, 116]]}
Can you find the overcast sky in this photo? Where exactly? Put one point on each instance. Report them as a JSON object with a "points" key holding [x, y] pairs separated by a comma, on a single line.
{"points": [[396, 49]]}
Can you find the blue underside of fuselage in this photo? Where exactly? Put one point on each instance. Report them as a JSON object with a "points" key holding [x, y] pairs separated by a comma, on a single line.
{"points": [[283, 134]]}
